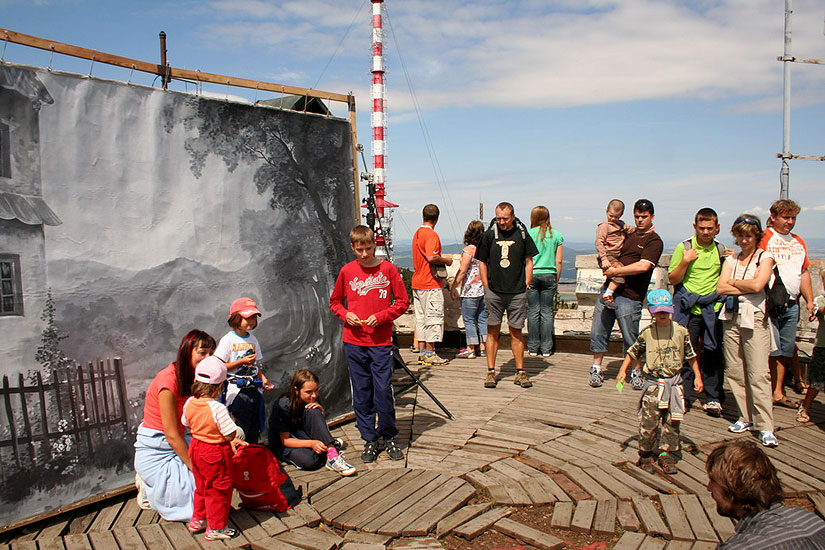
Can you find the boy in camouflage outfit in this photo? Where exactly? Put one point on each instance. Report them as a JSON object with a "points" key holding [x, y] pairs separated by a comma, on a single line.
{"points": [[665, 346]]}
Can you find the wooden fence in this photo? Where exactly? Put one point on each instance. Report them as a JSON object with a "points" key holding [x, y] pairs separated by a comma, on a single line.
{"points": [[82, 402]]}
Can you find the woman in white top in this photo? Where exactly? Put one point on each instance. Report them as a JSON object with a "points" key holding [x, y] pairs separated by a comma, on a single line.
{"points": [[747, 337], [468, 279]]}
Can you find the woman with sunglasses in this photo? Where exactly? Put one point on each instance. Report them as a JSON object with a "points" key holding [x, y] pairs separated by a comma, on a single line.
{"points": [[747, 335]]}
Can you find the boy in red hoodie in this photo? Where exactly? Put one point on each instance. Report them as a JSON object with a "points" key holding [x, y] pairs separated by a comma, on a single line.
{"points": [[375, 296]]}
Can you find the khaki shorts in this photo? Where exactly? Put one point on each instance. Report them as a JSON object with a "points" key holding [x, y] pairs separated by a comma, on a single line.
{"points": [[429, 314]]}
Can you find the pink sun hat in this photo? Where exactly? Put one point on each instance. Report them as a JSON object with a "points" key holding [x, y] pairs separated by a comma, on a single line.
{"points": [[211, 370]]}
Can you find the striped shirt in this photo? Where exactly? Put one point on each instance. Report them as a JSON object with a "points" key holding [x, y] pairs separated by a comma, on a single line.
{"points": [[780, 527], [208, 420]]}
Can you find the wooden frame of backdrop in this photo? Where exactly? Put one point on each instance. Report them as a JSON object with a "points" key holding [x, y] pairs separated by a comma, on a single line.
{"points": [[172, 73]]}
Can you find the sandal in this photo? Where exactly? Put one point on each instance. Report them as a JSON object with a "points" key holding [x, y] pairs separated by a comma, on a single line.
{"points": [[647, 464], [668, 464], [802, 416], [787, 403], [800, 387]]}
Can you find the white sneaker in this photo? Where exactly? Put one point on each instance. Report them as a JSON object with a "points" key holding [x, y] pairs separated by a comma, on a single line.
{"points": [[740, 426], [143, 502], [713, 408], [768, 439], [339, 465]]}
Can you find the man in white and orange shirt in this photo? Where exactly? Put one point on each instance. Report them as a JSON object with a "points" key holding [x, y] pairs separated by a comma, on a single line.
{"points": [[791, 256]]}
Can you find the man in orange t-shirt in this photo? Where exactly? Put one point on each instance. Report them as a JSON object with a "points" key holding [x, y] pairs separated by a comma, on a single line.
{"points": [[428, 296]]}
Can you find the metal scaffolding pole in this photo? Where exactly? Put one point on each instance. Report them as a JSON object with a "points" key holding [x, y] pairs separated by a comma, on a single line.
{"points": [[787, 59]]}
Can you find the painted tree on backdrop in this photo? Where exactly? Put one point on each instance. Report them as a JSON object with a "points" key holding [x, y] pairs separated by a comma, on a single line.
{"points": [[301, 158], [304, 165]]}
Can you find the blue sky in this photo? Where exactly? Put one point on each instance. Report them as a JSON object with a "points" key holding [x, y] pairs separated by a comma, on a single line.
{"points": [[564, 103]]}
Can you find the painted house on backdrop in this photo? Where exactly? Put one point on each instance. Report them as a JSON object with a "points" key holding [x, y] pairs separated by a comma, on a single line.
{"points": [[23, 212]]}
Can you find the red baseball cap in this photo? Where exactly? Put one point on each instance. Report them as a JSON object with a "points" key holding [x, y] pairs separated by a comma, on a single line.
{"points": [[246, 307]]}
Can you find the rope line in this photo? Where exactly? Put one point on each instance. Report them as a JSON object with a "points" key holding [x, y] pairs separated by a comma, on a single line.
{"points": [[439, 175], [357, 14]]}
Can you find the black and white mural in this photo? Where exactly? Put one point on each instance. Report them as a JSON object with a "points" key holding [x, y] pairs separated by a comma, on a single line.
{"points": [[128, 216]]}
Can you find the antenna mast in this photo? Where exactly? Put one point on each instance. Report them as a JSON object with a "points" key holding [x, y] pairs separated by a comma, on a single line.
{"points": [[384, 231], [787, 59]]}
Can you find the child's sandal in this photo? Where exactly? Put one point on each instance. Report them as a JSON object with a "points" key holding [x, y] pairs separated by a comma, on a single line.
{"points": [[668, 464], [802, 416], [646, 464]]}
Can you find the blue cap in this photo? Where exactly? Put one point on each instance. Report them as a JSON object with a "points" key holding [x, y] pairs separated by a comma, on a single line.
{"points": [[659, 299]]}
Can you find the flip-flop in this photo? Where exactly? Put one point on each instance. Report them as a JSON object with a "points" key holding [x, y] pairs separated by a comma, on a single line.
{"points": [[787, 403], [800, 387]]}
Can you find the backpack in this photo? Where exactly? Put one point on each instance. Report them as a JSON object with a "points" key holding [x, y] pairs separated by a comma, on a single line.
{"points": [[516, 223], [776, 296], [720, 248], [260, 481], [439, 271]]}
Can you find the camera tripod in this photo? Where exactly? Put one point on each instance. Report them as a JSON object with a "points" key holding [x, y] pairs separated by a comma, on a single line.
{"points": [[399, 362]]}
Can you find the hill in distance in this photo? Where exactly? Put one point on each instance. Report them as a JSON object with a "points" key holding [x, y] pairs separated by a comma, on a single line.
{"points": [[403, 256]]}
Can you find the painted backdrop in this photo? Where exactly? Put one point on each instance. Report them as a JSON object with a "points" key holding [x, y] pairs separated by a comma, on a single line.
{"points": [[128, 216]]}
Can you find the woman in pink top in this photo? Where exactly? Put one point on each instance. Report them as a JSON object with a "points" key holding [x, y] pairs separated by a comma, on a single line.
{"points": [[162, 464]]}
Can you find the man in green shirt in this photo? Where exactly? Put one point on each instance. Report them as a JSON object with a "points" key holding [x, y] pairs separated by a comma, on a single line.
{"points": [[694, 272]]}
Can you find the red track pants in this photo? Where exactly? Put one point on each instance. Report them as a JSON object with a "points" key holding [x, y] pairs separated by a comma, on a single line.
{"points": [[213, 486]]}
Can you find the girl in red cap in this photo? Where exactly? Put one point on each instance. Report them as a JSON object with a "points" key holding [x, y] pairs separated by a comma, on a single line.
{"points": [[242, 353]]}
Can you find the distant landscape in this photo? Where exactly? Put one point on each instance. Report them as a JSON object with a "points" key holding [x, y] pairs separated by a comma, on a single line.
{"points": [[567, 282], [403, 256]]}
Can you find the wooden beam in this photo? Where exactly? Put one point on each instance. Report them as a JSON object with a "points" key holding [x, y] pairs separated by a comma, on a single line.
{"points": [[356, 177], [165, 72], [94, 499], [801, 157]]}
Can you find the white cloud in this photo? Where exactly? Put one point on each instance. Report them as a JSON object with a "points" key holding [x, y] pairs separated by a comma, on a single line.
{"points": [[549, 54]]}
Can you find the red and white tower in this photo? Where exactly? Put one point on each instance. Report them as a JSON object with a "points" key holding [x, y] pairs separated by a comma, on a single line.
{"points": [[379, 131]]}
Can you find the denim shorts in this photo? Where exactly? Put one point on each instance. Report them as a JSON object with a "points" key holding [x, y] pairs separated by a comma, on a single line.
{"points": [[786, 325]]}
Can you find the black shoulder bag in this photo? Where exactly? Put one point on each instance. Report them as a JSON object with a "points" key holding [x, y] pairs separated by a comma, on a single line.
{"points": [[776, 296]]}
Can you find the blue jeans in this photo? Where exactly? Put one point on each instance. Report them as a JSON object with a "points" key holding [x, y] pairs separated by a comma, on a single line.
{"points": [[540, 316], [475, 319], [314, 427], [628, 313]]}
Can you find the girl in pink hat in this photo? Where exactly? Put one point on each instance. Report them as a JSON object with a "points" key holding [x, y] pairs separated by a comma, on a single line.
{"points": [[242, 353]]}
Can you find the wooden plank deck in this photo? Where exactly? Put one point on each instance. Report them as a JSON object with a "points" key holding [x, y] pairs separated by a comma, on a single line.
{"points": [[559, 443]]}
